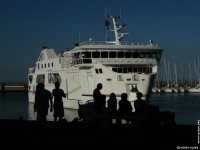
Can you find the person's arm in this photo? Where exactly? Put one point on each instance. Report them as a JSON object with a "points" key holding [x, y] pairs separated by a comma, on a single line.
{"points": [[51, 102], [63, 94]]}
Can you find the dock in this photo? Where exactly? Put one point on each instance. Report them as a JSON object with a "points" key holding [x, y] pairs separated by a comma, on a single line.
{"points": [[81, 135], [13, 87]]}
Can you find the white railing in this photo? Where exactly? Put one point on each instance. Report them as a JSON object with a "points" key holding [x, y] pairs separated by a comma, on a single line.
{"points": [[121, 43]]}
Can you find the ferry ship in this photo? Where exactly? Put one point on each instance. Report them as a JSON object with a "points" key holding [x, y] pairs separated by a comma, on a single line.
{"points": [[121, 67]]}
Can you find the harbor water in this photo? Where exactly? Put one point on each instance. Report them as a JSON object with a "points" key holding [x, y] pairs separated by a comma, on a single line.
{"points": [[186, 107]]}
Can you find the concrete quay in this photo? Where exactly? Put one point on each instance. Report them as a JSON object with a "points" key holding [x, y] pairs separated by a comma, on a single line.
{"points": [[13, 87], [92, 136]]}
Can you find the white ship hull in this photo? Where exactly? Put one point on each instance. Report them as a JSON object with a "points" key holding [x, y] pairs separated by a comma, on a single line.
{"points": [[80, 87]]}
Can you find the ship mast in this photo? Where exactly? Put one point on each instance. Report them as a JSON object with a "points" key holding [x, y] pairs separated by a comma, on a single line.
{"points": [[117, 29]]}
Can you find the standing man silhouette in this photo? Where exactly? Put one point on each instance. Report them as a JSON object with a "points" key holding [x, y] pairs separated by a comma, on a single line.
{"points": [[97, 96], [42, 99], [58, 102]]}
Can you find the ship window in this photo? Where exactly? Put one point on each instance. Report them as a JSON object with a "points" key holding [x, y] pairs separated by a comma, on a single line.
{"points": [[134, 69], [30, 78], [76, 55], [129, 70], [154, 55], [112, 55], [120, 54], [148, 55], [119, 70], [95, 54], [100, 71], [53, 77], [96, 70], [40, 78], [142, 55], [86, 54], [128, 54], [114, 69], [135, 54], [125, 70], [158, 56], [87, 61], [104, 54]]}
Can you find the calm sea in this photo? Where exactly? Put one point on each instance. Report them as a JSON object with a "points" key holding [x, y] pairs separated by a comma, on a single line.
{"points": [[186, 107]]}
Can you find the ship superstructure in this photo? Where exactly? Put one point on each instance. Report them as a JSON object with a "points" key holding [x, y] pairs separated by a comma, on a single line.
{"points": [[122, 67]]}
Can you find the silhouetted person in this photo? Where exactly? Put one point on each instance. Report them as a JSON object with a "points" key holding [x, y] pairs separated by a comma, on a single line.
{"points": [[112, 104], [58, 94], [97, 91], [42, 99], [97, 96], [125, 107], [140, 104]]}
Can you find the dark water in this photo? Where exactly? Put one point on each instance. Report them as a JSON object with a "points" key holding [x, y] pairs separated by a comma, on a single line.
{"points": [[185, 106]]}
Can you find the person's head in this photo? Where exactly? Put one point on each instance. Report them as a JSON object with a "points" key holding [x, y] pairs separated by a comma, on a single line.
{"points": [[124, 96], [112, 96], [99, 86], [103, 97], [40, 86], [57, 84], [139, 95]]}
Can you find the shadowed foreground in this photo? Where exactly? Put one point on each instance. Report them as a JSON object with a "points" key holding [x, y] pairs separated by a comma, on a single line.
{"points": [[36, 135]]}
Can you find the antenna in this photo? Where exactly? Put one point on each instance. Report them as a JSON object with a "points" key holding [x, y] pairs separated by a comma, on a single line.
{"points": [[120, 13]]}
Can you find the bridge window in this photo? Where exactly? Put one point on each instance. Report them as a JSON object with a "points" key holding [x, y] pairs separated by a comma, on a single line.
{"points": [[142, 55], [112, 54], [135, 54], [120, 54], [154, 55], [148, 55], [128, 54], [104, 54], [86, 54], [96, 54], [76, 55]]}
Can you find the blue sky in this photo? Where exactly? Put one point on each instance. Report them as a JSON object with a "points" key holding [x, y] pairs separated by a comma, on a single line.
{"points": [[27, 25]]}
